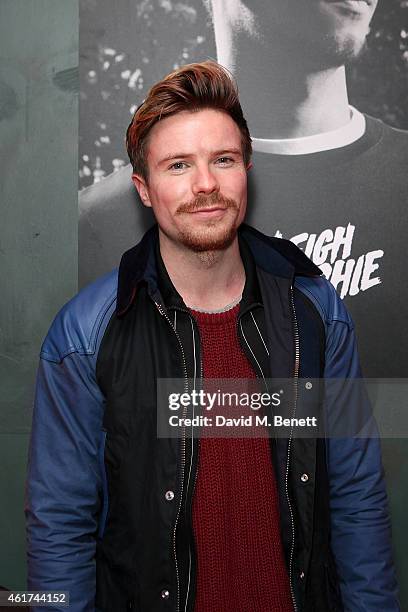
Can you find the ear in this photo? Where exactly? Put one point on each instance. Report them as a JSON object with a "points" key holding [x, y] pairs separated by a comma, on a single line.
{"points": [[141, 186], [249, 165]]}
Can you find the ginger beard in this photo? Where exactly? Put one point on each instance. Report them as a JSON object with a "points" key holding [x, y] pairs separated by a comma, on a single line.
{"points": [[203, 235]]}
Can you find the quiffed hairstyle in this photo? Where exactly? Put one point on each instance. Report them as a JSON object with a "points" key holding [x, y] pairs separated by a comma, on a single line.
{"points": [[191, 88]]}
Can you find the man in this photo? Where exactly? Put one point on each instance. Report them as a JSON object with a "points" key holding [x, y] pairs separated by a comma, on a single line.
{"points": [[138, 521], [324, 175]]}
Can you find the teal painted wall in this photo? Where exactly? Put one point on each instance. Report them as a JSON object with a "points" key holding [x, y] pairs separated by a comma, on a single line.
{"points": [[38, 231]]}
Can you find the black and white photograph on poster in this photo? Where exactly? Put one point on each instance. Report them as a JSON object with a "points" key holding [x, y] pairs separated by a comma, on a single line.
{"points": [[322, 85]]}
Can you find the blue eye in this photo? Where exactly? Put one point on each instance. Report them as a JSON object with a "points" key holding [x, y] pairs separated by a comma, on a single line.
{"points": [[178, 165]]}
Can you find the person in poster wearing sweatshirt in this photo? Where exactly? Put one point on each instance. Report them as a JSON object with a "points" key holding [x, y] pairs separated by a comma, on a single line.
{"points": [[324, 175]]}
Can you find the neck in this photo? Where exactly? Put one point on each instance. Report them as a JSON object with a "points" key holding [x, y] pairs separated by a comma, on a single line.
{"points": [[209, 280], [294, 98]]}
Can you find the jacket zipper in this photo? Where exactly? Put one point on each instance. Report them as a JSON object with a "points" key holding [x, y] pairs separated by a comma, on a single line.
{"points": [[295, 392], [198, 439], [183, 450], [239, 327], [192, 451], [198, 459]]}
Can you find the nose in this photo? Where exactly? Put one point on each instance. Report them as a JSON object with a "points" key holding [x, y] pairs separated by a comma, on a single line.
{"points": [[204, 180]]}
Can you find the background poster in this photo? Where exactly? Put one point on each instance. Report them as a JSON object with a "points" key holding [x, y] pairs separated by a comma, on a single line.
{"points": [[353, 224]]}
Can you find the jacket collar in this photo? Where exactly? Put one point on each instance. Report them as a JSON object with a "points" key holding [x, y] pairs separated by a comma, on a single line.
{"points": [[278, 256], [143, 264], [137, 265]]}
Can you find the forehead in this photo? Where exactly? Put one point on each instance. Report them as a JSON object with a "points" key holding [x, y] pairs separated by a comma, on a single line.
{"points": [[200, 131]]}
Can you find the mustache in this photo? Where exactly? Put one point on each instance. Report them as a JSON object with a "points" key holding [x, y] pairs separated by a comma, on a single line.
{"points": [[201, 202]]}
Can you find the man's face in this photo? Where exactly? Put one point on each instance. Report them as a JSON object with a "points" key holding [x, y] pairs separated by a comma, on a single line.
{"points": [[197, 183], [334, 28]]}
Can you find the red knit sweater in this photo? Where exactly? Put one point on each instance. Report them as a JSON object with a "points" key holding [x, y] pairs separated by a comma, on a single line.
{"points": [[240, 560]]}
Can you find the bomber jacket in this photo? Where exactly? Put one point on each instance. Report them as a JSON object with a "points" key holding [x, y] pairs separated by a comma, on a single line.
{"points": [[109, 502]]}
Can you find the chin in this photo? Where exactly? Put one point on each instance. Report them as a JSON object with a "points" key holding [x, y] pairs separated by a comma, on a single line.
{"points": [[212, 238], [334, 49], [347, 48]]}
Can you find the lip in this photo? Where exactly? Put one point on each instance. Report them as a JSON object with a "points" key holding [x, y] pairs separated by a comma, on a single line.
{"points": [[350, 2], [352, 7], [208, 212]]}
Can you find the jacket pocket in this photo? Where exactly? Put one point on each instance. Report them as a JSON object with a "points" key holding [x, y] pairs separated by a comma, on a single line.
{"points": [[104, 509]]}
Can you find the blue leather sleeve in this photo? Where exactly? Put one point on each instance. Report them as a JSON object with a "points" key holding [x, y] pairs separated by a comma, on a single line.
{"points": [[360, 523], [64, 485]]}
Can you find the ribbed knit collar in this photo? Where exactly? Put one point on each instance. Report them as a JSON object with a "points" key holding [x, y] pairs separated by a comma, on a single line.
{"points": [[216, 319]]}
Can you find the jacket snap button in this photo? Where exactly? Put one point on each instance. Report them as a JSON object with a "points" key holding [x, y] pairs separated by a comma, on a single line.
{"points": [[304, 478], [308, 385], [169, 495], [302, 575], [165, 594]]}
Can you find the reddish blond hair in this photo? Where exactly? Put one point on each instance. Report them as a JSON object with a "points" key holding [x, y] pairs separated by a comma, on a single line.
{"points": [[191, 88]]}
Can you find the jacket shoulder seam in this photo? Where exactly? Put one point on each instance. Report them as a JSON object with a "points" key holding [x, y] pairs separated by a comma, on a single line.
{"points": [[327, 317], [47, 356], [87, 347], [98, 323]]}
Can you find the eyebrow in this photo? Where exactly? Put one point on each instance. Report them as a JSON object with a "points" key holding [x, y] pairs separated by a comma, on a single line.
{"points": [[187, 155]]}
